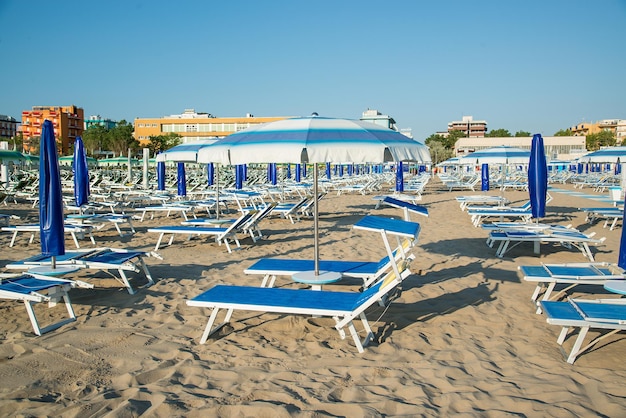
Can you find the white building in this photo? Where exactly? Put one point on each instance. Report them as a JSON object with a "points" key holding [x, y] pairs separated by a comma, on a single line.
{"points": [[557, 147]]}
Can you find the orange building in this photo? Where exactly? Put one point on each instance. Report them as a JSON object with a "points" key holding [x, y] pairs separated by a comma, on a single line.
{"points": [[192, 126], [68, 124]]}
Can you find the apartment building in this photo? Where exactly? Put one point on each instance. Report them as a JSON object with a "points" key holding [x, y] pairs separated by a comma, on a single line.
{"points": [[97, 120], [616, 126], [471, 128], [8, 127], [193, 126], [66, 120]]}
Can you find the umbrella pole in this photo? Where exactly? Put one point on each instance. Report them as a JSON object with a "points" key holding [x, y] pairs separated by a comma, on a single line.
{"points": [[217, 191], [316, 238], [53, 262]]}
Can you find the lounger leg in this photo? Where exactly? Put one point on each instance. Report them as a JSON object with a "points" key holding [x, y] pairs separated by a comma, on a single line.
{"points": [[209, 326], [125, 281], [75, 239], [158, 242], [13, 239], [579, 342], [32, 317], [355, 337], [144, 266]]}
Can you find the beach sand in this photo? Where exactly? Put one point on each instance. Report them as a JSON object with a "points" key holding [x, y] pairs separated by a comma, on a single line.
{"points": [[462, 339]]}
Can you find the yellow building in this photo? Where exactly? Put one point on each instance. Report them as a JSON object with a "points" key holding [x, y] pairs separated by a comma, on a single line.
{"points": [[192, 126], [67, 122]]}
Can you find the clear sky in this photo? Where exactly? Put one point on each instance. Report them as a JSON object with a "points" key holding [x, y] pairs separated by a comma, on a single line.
{"points": [[532, 65]]}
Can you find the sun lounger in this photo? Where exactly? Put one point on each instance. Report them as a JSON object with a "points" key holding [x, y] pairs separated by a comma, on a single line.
{"points": [[548, 276], [74, 230], [168, 209], [567, 237], [32, 288], [289, 210], [481, 200], [406, 207], [221, 234], [610, 215], [97, 259], [98, 221], [602, 314], [343, 307]]}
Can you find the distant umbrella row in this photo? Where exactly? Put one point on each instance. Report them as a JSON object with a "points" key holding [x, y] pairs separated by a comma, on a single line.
{"points": [[17, 157]]}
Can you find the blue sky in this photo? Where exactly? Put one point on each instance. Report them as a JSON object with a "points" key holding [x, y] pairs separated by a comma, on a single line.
{"points": [[533, 65]]}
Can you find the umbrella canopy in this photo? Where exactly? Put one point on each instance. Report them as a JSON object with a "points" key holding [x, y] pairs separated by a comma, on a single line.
{"points": [[8, 155], [187, 152], [605, 155], [314, 140], [50, 197], [537, 177], [498, 155], [81, 173]]}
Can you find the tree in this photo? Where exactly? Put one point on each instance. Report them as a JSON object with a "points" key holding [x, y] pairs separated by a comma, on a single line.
{"points": [[522, 134], [120, 138], [563, 132], [498, 133], [95, 139], [161, 143], [601, 139]]}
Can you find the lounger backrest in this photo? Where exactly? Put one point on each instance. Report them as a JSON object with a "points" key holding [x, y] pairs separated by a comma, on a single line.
{"points": [[382, 287], [243, 219]]}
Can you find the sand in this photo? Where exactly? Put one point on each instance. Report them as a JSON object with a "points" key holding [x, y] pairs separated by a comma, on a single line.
{"points": [[462, 339]]}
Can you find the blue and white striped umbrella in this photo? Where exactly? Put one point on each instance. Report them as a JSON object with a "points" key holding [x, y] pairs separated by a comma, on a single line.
{"points": [[498, 155], [605, 155], [315, 139], [185, 153]]}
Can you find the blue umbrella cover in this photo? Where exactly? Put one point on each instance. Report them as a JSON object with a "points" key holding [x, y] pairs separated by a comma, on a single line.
{"points": [[537, 177], [50, 197], [81, 173], [484, 175], [210, 172], [399, 177], [182, 180], [161, 175], [621, 260]]}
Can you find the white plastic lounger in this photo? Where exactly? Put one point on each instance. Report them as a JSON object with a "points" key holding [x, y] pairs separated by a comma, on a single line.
{"points": [[74, 230], [98, 221], [221, 234], [97, 259], [168, 209], [466, 202], [606, 314], [343, 307], [32, 288]]}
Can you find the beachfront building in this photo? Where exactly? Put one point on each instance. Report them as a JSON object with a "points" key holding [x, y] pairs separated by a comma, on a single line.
{"points": [[66, 120], [615, 126], [374, 116], [97, 120], [471, 128], [193, 126], [564, 148], [8, 127]]}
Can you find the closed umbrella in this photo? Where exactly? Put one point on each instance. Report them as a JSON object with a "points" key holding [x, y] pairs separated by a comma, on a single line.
{"points": [[484, 186], [181, 180], [81, 173], [537, 177], [51, 227], [161, 175], [315, 140], [399, 177]]}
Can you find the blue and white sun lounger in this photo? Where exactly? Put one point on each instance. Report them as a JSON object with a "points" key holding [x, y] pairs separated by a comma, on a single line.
{"points": [[221, 234], [343, 307], [97, 259], [406, 207], [32, 288], [548, 276], [74, 230], [608, 314], [370, 272]]}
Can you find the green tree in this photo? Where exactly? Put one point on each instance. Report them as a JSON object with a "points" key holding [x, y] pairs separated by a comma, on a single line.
{"points": [[522, 134], [563, 132], [161, 143], [498, 133], [601, 139], [120, 138], [438, 151], [95, 139]]}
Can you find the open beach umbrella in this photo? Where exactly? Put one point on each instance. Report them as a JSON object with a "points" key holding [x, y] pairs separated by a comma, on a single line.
{"points": [[181, 180], [187, 152], [315, 140], [497, 155], [51, 225], [605, 155], [8, 155], [81, 173], [537, 177]]}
